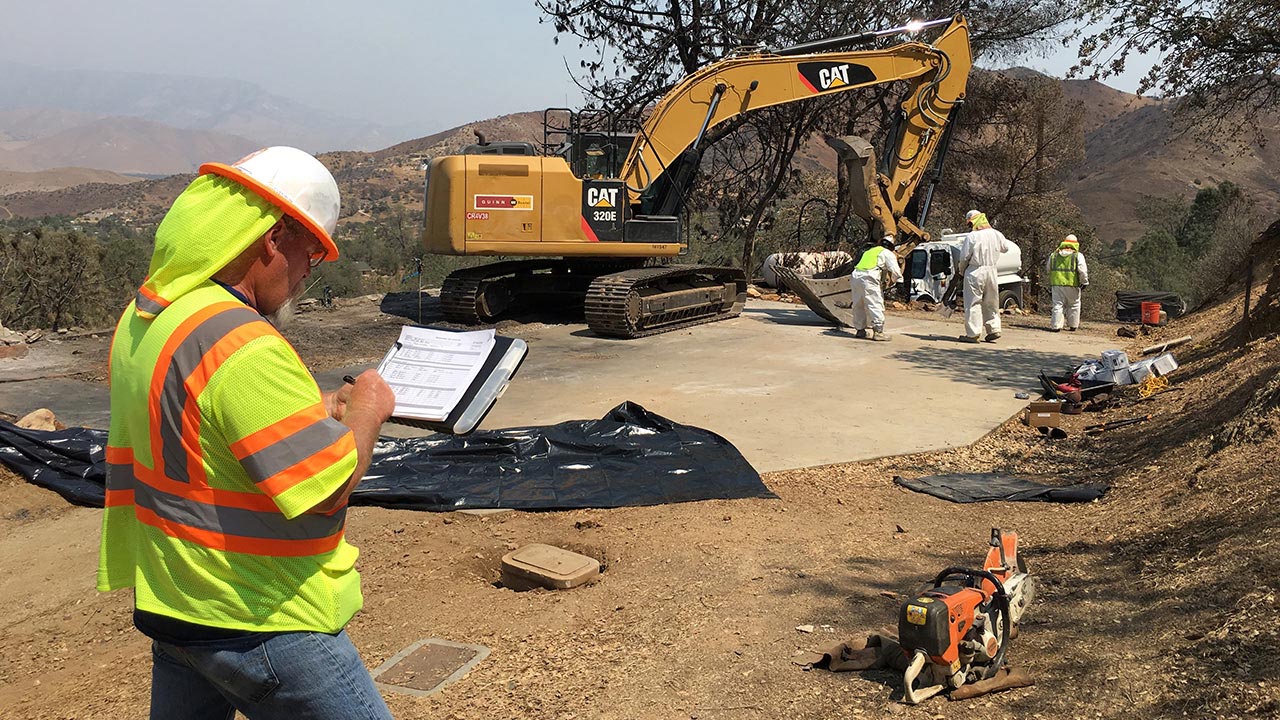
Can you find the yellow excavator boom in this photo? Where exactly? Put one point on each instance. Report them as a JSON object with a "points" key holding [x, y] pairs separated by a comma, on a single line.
{"points": [[937, 71]]}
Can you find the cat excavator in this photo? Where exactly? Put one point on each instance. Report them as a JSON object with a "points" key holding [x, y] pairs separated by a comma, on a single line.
{"points": [[600, 232]]}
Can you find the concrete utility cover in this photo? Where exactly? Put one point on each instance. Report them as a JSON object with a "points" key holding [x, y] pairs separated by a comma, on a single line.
{"points": [[428, 665], [786, 388]]}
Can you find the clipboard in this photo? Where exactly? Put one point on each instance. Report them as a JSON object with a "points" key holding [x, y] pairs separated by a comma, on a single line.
{"points": [[499, 367]]}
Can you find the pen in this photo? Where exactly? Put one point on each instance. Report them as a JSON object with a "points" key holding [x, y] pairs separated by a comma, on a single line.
{"points": [[348, 380]]}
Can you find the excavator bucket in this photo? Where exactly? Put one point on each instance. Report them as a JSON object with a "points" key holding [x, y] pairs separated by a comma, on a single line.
{"points": [[859, 161], [826, 293]]}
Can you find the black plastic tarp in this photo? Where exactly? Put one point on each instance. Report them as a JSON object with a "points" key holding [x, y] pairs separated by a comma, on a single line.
{"points": [[986, 487], [629, 457], [1129, 304]]}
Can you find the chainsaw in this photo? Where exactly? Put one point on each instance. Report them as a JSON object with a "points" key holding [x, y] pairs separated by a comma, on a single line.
{"points": [[958, 631]]}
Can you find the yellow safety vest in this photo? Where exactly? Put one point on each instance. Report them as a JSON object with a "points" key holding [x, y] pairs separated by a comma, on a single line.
{"points": [[1064, 269], [218, 445], [869, 259]]}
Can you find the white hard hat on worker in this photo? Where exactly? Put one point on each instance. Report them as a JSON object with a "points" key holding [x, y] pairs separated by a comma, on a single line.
{"points": [[293, 181]]}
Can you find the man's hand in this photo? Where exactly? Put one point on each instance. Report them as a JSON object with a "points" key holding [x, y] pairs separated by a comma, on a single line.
{"points": [[371, 396], [335, 402], [363, 407]]}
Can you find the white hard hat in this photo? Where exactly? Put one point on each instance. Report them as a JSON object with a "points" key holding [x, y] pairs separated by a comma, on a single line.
{"points": [[1071, 238], [293, 181], [969, 216]]}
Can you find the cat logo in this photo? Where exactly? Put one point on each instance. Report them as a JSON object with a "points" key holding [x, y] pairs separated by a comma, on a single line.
{"points": [[824, 76], [834, 77], [602, 197]]}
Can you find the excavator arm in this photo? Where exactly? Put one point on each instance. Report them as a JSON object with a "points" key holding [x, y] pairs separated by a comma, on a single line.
{"points": [[660, 164]]}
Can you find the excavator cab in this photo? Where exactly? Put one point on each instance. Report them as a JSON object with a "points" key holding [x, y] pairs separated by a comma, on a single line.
{"points": [[590, 141]]}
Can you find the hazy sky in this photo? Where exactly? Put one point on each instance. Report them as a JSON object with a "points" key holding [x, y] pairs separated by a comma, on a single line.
{"points": [[437, 63]]}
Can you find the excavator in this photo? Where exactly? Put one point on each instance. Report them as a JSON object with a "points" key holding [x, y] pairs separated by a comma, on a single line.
{"points": [[602, 232]]}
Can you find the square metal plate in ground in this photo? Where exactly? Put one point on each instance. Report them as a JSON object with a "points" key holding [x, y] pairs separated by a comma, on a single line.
{"points": [[428, 665]]}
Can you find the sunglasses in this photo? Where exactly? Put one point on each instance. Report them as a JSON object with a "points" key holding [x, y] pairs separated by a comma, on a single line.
{"points": [[315, 257]]}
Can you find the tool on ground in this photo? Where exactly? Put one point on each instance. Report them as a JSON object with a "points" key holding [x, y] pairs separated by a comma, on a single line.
{"points": [[1152, 384], [958, 632], [1161, 347], [1097, 429]]}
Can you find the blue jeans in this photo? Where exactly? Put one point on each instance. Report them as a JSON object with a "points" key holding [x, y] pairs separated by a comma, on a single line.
{"points": [[292, 676]]}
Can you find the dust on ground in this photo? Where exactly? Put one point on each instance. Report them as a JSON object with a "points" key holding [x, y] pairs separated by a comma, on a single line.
{"points": [[1158, 601]]}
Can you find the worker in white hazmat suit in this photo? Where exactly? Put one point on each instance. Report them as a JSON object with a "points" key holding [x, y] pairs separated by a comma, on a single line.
{"points": [[1067, 273], [978, 257], [873, 267]]}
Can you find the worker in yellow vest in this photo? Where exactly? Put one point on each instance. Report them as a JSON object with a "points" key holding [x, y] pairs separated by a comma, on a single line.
{"points": [[228, 471], [1067, 273], [865, 284]]}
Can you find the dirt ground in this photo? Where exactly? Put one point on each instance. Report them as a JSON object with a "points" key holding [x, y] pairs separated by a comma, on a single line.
{"points": [[1158, 601]]}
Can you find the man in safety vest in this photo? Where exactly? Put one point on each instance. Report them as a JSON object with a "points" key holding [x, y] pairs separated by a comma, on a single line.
{"points": [[1067, 273], [978, 256], [228, 471], [868, 298]]}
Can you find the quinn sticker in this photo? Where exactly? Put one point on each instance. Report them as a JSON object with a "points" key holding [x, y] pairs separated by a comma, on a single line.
{"points": [[504, 202]]}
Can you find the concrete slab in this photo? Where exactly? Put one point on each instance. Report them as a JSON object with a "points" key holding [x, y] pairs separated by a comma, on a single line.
{"points": [[787, 389], [73, 402]]}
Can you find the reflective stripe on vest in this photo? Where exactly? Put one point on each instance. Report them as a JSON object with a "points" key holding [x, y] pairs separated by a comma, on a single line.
{"points": [[175, 497], [1063, 270], [869, 259], [219, 519]]}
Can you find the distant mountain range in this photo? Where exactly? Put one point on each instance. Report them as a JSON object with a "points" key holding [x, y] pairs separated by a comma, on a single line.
{"points": [[130, 110], [1130, 146]]}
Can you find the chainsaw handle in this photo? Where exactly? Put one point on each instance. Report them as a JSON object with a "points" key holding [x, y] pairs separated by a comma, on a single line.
{"points": [[970, 574]]}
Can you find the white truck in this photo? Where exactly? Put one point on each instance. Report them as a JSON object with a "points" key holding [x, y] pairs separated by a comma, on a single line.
{"points": [[930, 266]]}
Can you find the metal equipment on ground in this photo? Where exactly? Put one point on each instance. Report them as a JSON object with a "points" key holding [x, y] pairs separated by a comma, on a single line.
{"points": [[958, 632]]}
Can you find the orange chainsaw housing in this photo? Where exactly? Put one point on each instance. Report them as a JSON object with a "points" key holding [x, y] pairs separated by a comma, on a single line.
{"points": [[937, 620]]}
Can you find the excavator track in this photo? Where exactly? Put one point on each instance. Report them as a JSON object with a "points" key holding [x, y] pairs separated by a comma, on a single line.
{"points": [[481, 294], [647, 301]]}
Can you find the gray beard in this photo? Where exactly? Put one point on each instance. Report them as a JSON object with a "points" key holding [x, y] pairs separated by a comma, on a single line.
{"points": [[283, 316]]}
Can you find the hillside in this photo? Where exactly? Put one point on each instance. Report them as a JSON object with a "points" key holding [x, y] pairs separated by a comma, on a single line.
{"points": [[56, 179], [1132, 150], [125, 145], [228, 107]]}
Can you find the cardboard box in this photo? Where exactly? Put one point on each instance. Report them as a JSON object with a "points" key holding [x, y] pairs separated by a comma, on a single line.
{"points": [[1044, 413], [1163, 364], [1045, 406], [1159, 366], [1119, 376], [1115, 360], [1141, 370]]}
